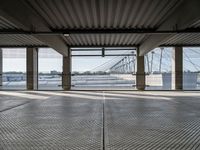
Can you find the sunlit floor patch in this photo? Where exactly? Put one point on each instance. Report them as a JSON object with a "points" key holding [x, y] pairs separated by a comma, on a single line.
{"points": [[23, 95], [76, 94]]}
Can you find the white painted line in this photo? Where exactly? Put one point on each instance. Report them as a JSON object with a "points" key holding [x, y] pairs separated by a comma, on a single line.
{"points": [[104, 98]]}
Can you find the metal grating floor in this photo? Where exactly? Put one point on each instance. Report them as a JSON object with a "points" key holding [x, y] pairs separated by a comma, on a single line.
{"points": [[99, 120], [56, 123], [149, 124]]}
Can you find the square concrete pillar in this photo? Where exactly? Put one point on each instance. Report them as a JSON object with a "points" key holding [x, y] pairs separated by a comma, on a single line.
{"points": [[32, 68], [140, 74], [177, 68], [66, 74], [1, 67]]}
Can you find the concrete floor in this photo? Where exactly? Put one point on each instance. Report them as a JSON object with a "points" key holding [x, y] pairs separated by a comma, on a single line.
{"points": [[111, 120]]}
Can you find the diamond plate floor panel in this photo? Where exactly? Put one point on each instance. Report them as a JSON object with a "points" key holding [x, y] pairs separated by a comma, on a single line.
{"points": [[140, 124], [60, 123]]}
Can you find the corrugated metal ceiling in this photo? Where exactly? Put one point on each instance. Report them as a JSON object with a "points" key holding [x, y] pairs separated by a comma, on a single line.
{"points": [[184, 39], [5, 24], [19, 40], [196, 24], [62, 14], [105, 39]]}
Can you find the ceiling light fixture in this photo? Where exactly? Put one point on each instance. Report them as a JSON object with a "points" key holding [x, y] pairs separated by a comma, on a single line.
{"points": [[66, 35]]}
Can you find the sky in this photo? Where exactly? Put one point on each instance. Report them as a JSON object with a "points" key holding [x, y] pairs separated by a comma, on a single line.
{"points": [[15, 60], [82, 64], [51, 60]]}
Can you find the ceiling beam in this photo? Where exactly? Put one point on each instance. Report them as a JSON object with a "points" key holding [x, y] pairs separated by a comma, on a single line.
{"points": [[181, 45], [100, 49], [26, 19], [103, 55], [105, 31], [23, 46], [182, 18], [103, 46], [100, 31]]}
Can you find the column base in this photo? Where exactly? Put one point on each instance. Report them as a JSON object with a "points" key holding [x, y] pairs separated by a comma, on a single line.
{"points": [[66, 88], [140, 88]]}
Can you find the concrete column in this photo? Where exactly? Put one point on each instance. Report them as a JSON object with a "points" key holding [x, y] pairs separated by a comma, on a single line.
{"points": [[32, 68], [140, 74], [1, 67], [177, 68], [66, 75]]}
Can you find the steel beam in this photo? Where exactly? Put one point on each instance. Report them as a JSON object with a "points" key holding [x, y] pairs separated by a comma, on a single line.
{"points": [[100, 49], [181, 45], [103, 56], [101, 31], [105, 46], [24, 46]]}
